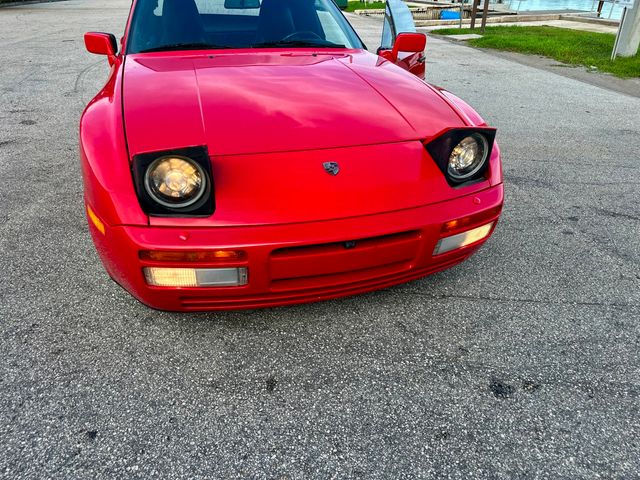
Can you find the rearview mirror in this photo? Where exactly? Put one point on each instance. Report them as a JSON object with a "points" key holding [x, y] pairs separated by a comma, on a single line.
{"points": [[409, 42], [101, 44], [241, 4]]}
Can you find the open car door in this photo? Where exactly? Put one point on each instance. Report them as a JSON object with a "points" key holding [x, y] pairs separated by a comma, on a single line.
{"points": [[398, 20]]}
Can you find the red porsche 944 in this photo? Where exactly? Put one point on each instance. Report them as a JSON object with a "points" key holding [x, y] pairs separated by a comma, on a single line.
{"points": [[252, 153]]}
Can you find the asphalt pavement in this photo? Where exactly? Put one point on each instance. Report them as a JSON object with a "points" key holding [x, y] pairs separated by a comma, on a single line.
{"points": [[522, 362]]}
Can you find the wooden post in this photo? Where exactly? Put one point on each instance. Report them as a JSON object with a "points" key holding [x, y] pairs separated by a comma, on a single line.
{"points": [[485, 13], [474, 11]]}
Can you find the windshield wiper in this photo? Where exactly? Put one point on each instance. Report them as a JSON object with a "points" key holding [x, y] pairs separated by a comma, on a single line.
{"points": [[298, 43], [184, 46]]}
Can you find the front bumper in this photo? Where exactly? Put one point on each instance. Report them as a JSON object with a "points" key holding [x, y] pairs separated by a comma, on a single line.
{"points": [[297, 263]]}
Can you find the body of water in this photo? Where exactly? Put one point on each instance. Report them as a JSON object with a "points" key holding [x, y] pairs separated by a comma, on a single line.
{"points": [[585, 5]]}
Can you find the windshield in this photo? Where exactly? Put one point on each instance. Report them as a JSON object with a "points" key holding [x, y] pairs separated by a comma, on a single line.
{"points": [[163, 25]]}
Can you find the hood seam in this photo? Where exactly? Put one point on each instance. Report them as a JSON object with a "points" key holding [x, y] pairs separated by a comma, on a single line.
{"points": [[381, 95], [195, 75]]}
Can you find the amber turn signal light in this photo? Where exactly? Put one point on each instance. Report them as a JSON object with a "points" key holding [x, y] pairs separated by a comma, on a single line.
{"points": [[95, 220], [461, 223], [191, 256]]}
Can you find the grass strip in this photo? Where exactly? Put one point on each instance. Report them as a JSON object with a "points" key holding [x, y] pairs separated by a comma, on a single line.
{"points": [[573, 47]]}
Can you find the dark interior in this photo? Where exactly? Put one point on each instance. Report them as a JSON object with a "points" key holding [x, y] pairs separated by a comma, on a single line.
{"points": [[274, 20]]}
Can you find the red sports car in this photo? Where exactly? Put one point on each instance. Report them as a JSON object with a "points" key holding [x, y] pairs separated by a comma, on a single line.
{"points": [[252, 153]]}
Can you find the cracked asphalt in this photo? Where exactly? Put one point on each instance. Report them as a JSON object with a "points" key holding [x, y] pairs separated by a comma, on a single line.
{"points": [[522, 362]]}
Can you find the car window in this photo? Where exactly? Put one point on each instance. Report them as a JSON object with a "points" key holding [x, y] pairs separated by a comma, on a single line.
{"points": [[332, 30], [176, 24], [397, 19]]}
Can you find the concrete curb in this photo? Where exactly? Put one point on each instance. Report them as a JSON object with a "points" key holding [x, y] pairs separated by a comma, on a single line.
{"points": [[519, 19], [596, 21], [511, 18], [498, 19]]}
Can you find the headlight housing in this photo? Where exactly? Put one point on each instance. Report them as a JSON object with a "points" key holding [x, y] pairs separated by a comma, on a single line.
{"points": [[463, 154], [467, 157], [175, 183]]}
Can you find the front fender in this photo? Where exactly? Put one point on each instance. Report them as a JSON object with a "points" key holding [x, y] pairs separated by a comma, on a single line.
{"points": [[473, 119], [108, 184]]}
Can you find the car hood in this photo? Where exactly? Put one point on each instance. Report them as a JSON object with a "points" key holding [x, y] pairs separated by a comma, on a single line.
{"points": [[247, 102]]}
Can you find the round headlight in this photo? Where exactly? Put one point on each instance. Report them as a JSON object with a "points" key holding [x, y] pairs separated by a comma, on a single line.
{"points": [[467, 157], [175, 182]]}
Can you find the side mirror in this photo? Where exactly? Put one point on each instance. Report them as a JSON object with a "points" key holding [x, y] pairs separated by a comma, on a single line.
{"points": [[409, 42], [102, 44]]}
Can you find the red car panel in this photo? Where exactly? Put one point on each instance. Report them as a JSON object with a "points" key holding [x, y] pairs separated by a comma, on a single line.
{"points": [[234, 103], [292, 187], [391, 248]]}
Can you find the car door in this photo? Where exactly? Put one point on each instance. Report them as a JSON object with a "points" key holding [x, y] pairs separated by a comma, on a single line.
{"points": [[399, 19]]}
